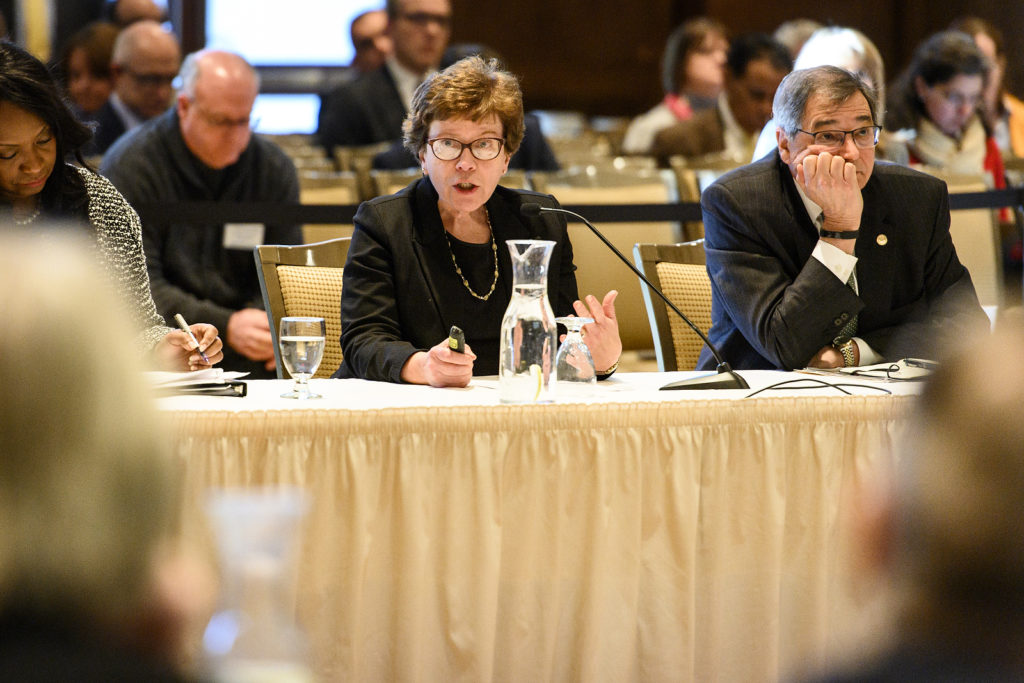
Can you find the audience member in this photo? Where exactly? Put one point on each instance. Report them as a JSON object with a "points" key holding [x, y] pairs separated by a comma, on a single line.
{"points": [[818, 256], [127, 12], [85, 63], [794, 33], [1003, 113], [404, 286], [937, 100], [370, 40], [848, 49], [37, 133], [204, 149], [692, 77], [145, 62], [92, 587], [755, 66], [945, 531], [534, 153], [371, 108]]}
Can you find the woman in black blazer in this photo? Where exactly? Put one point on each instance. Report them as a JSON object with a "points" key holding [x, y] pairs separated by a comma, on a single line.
{"points": [[433, 255]]}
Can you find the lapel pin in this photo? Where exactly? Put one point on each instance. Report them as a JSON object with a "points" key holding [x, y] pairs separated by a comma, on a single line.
{"points": [[882, 240]]}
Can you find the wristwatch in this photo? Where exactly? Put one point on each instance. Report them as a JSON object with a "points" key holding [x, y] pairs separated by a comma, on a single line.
{"points": [[845, 346]]}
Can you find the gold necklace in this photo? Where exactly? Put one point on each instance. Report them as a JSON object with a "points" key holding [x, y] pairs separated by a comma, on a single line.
{"points": [[494, 250]]}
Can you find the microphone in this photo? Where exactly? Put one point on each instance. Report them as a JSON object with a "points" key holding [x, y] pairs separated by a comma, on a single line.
{"points": [[724, 378]]}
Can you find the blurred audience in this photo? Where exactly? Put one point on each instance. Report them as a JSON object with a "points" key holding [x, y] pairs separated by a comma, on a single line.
{"points": [[204, 150], [692, 77], [372, 107], [145, 62], [85, 63], [37, 133], [755, 66], [370, 40], [534, 153], [936, 106], [946, 530], [1003, 113], [794, 33], [127, 12]]}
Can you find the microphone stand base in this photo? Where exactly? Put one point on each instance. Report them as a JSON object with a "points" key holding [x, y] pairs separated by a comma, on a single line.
{"points": [[725, 379]]}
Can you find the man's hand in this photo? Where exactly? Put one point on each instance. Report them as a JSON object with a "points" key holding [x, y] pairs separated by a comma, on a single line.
{"points": [[248, 333], [830, 357], [831, 182], [440, 367]]}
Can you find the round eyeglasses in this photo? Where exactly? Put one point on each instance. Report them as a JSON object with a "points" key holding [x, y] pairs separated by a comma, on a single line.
{"points": [[484, 149], [862, 137]]}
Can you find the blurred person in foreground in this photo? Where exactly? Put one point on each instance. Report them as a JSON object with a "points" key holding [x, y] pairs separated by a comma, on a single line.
{"points": [[820, 256], [433, 255], [692, 77], [93, 585], [203, 149], [37, 132], [755, 65], [945, 529], [936, 104], [85, 63], [145, 61]]}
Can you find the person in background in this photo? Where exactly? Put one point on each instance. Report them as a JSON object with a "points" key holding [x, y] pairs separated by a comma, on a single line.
{"points": [[534, 153], [943, 529], [145, 61], [203, 149], [794, 33], [755, 66], [692, 77], [428, 257], [93, 584], [127, 12], [936, 103], [85, 63], [819, 256], [37, 133], [371, 108], [370, 40], [1003, 113]]}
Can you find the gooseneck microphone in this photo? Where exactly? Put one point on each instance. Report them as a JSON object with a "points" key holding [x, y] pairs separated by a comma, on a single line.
{"points": [[724, 378]]}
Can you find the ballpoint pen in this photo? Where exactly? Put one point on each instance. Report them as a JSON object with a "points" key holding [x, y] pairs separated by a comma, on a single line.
{"points": [[185, 328]]}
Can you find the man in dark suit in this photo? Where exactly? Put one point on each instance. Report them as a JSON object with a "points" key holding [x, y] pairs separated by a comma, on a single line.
{"points": [[371, 108], [755, 66], [820, 257]]}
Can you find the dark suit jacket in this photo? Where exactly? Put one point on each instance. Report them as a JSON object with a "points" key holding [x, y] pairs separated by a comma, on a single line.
{"points": [[534, 154], [703, 133], [109, 127], [774, 306], [363, 111], [400, 292]]}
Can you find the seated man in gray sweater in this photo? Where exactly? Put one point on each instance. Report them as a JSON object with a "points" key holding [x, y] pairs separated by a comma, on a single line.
{"points": [[203, 150]]}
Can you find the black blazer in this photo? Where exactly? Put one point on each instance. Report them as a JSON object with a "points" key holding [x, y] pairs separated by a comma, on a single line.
{"points": [[774, 306], [361, 112], [399, 284]]}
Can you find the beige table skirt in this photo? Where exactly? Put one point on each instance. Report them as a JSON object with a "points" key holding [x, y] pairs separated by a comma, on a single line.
{"points": [[676, 541]]}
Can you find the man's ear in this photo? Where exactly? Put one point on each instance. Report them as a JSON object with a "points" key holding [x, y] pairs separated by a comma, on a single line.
{"points": [[182, 104], [783, 141]]}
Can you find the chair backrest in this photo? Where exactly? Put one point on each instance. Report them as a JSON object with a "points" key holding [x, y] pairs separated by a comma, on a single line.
{"points": [[327, 187], [693, 175], [679, 271], [304, 280], [359, 160], [598, 269], [975, 234]]}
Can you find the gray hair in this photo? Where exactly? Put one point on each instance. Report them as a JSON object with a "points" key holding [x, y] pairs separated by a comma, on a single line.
{"points": [[189, 73], [834, 84]]}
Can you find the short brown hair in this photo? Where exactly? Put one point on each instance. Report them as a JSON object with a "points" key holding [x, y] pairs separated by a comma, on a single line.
{"points": [[469, 89]]}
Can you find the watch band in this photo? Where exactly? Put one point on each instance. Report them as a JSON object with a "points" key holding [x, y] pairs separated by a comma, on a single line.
{"points": [[839, 235], [844, 345]]}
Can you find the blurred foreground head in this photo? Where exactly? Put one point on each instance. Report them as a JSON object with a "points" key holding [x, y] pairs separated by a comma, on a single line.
{"points": [[86, 490]]}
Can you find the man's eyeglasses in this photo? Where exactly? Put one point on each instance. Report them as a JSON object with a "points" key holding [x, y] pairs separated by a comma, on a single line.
{"points": [[423, 19], [151, 80], [862, 137], [484, 149]]}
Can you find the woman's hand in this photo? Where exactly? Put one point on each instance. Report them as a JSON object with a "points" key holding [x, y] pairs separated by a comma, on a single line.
{"points": [[440, 367], [602, 335], [175, 351]]}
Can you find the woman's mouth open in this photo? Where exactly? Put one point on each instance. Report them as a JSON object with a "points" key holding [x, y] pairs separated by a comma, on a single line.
{"points": [[465, 187]]}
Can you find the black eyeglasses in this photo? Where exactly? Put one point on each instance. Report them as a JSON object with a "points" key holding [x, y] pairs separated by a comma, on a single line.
{"points": [[862, 137], [151, 80], [448, 149], [423, 19]]}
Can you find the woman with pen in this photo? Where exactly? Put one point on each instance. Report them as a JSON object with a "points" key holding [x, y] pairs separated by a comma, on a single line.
{"points": [[37, 133]]}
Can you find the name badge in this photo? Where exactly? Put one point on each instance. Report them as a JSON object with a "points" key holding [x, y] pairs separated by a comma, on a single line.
{"points": [[243, 235]]}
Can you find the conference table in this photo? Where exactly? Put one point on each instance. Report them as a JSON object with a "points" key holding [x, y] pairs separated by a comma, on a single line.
{"points": [[632, 535]]}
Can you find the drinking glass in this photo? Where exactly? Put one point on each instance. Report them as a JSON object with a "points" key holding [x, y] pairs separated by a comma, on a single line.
{"points": [[574, 366], [302, 347]]}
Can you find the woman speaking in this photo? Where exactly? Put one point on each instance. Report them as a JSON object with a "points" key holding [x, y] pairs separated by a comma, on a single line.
{"points": [[433, 255]]}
